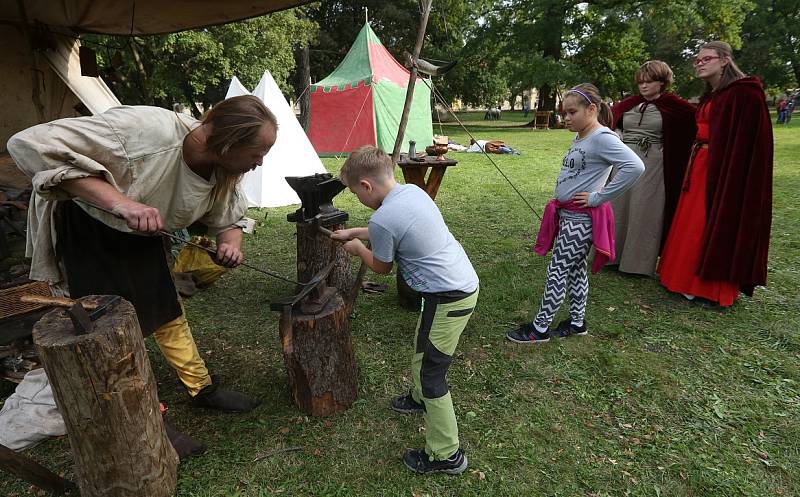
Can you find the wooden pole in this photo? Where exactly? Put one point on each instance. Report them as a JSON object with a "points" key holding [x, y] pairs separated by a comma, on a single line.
{"points": [[32, 472], [106, 392], [412, 79]]}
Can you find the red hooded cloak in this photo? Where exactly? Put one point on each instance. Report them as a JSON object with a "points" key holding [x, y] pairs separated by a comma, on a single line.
{"points": [[739, 186], [679, 129]]}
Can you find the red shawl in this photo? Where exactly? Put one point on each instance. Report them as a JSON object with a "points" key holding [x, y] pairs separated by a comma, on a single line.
{"points": [[739, 188], [679, 129]]}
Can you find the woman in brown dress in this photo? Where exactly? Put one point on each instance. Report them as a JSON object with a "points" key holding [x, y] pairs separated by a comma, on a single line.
{"points": [[659, 127]]}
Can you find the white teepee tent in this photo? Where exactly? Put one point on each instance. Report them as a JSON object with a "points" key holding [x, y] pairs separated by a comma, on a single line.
{"points": [[292, 154]]}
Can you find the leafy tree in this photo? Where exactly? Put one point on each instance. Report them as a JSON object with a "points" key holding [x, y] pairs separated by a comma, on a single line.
{"points": [[674, 30], [771, 43], [196, 65]]}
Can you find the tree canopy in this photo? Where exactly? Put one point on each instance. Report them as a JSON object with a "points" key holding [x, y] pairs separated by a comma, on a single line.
{"points": [[503, 47], [197, 65]]}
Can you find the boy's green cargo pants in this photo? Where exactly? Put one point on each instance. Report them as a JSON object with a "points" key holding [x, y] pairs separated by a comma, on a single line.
{"points": [[442, 319]]}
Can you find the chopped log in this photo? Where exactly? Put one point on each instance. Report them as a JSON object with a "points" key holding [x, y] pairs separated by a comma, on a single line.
{"points": [[316, 250], [319, 358], [106, 392], [32, 472]]}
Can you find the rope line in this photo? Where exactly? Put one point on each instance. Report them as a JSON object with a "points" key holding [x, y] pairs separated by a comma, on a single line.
{"points": [[452, 113]]}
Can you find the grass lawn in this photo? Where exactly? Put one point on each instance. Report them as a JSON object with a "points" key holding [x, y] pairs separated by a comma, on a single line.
{"points": [[664, 398]]}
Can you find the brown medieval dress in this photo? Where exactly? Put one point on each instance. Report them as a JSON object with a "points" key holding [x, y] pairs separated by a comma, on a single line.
{"points": [[639, 211]]}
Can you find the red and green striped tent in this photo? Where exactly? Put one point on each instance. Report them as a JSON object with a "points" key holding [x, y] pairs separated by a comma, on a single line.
{"points": [[361, 101]]}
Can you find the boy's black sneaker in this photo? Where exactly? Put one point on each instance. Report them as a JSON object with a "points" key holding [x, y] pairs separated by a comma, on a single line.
{"points": [[565, 328], [405, 404], [418, 461], [527, 333]]}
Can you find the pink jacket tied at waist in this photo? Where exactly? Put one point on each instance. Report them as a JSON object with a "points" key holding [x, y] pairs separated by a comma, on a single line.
{"points": [[602, 218]]}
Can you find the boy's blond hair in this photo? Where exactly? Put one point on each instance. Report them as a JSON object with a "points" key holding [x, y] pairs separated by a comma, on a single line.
{"points": [[367, 162]]}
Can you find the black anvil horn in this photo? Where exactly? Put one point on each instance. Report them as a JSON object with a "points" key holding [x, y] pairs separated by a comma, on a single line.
{"points": [[316, 196]]}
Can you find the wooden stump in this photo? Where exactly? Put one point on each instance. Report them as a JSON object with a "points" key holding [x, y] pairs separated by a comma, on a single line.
{"points": [[315, 251], [318, 354], [106, 392]]}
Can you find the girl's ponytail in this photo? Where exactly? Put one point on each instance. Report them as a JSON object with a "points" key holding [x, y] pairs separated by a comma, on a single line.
{"points": [[591, 95], [604, 114]]}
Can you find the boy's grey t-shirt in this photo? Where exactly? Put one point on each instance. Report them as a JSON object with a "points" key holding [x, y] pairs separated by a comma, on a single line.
{"points": [[408, 228], [587, 165]]}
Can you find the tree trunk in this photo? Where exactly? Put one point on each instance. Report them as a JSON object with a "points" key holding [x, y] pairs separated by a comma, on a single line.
{"points": [[142, 78], [319, 358], [315, 251], [106, 392], [305, 98], [551, 48]]}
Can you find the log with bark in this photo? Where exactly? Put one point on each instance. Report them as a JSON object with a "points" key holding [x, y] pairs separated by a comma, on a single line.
{"points": [[319, 358], [106, 392]]}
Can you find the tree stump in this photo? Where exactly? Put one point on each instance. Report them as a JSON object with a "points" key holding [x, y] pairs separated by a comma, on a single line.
{"points": [[106, 392], [315, 251], [319, 358]]}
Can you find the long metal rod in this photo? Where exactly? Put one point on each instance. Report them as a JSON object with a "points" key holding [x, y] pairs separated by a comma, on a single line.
{"points": [[206, 249]]}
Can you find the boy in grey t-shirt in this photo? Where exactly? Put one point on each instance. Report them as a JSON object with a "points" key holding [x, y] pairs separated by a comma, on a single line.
{"points": [[407, 227]]}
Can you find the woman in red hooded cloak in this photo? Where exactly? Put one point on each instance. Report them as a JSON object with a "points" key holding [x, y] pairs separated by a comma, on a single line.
{"points": [[719, 239]]}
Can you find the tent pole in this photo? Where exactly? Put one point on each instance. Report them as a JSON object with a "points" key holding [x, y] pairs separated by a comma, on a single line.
{"points": [[412, 78]]}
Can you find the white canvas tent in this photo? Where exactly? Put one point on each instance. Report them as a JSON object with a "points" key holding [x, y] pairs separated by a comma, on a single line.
{"points": [[292, 154]]}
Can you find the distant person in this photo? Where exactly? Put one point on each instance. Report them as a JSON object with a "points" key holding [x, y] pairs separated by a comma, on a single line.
{"points": [[780, 107], [407, 227], [790, 109], [579, 216], [659, 127], [719, 239]]}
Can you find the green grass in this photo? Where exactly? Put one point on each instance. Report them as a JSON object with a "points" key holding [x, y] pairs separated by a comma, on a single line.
{"points": [[664, 398]]}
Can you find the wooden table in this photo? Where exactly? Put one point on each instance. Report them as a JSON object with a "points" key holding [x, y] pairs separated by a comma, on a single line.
{"points": [[414, 172]]}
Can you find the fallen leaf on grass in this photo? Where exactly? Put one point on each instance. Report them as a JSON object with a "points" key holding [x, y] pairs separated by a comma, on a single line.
{"points": [[481, 474], [283, 430]]}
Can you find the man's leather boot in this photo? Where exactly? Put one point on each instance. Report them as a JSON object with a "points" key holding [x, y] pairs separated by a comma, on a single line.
{"points": [[215, 397]]}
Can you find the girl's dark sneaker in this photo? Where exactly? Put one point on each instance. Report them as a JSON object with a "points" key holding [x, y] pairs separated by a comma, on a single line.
{"points": [[417, 460], [405, 404], [527, 333], [565, 328]]}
